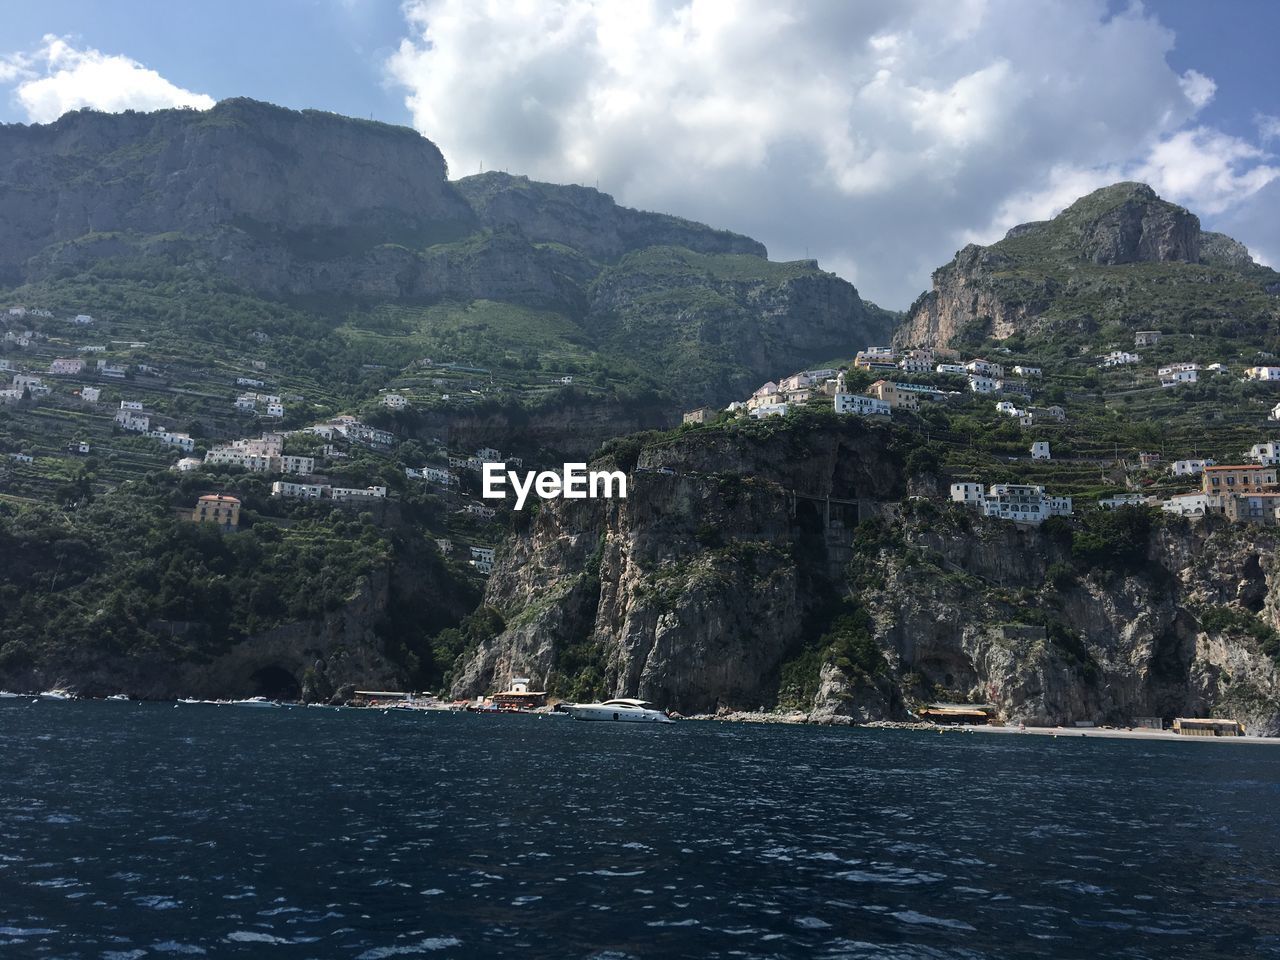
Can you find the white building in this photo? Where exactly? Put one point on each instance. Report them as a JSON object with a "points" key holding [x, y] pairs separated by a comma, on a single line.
{"points": [[82, 320], [290, 463], [1040, 450], [133, 420], [305, 491], [249, 382], [445, 546], [355, 493], [115, 370], [1178, 373], [480, 510], [1021, 371], [394, 401], [1192, 504], [10, 396], [1267, 454], [90, 394], [768, 410], [984, 368], [130, 404], [1189, 468], [863, 406], [187, 464], [1119, 358], [970, 494], [488, 455], [93, 348], [182, 441], [247, 403], [956, 368], [1262, 373], [1023, 503], [981, 384], [24, 381], [483, 554], [66, 367], [1008, 408]]}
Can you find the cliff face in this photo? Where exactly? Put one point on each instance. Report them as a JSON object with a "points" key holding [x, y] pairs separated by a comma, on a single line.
{"points": [[712, 586], [588, 220], [1093, 263]]}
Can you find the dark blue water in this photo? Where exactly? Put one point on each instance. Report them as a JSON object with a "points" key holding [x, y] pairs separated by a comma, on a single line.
{"points": [[131, 831]]}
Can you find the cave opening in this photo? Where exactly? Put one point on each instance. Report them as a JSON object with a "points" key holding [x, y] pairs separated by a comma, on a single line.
{"points": [[275, 683]]}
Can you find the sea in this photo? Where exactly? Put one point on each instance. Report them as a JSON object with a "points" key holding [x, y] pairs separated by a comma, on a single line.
{"points": [[141, 830]]}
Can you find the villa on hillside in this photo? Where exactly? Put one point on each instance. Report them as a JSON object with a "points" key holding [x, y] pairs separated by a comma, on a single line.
{"points": [[219, 509], [1189, 468], [1262, 373], [1146, 338], [897, 399], [1178, 373], [1119, 358], [1019, 503], [700, 415], [861, 405], [1238, 478]]}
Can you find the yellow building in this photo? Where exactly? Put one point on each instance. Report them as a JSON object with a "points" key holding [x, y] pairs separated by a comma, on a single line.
{"points": [[896, 399], [217, 508], [1241, 478]]}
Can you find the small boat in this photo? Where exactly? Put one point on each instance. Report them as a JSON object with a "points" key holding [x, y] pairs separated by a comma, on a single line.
{"points": [[8, 695], [118, 696], [621, 709], [255, 702], [57, 694]]}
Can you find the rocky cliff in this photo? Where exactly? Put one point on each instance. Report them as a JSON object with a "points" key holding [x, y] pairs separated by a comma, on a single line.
{"points": [[1115, 255], [764, 565]]}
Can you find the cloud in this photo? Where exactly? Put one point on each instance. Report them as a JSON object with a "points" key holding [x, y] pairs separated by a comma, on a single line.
{"points": [[59, 77], [876, 135]]}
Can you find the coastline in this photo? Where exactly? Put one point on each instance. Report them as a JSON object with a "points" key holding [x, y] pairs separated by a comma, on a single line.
{"points": [[1111, 733]]}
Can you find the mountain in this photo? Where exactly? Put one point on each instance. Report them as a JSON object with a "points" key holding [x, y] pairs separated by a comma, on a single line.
{"points": [[1116, 260], [336, 216]]}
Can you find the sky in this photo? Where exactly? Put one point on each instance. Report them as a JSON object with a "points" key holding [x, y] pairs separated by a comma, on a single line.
{"points": [[877, 136]]}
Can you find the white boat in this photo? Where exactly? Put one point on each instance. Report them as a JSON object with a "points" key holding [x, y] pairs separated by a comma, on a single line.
{"points": [[255, 702], [7, 695], [622, 710], [57, 694], [118, 696]]}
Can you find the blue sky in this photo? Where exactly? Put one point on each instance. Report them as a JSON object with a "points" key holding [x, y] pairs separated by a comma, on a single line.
{"points": [[878, 136]]}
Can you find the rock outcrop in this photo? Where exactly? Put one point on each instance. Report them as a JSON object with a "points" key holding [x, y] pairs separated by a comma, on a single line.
{"points": [[716, 578], [1092, 264]]}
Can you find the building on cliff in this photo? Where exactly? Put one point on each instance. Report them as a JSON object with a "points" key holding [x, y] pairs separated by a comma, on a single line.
{"points": [[1020, 503], [862, 406], [896, 398]]}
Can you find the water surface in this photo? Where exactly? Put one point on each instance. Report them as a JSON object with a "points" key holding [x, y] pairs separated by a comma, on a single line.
{"points": [[131, 831]]}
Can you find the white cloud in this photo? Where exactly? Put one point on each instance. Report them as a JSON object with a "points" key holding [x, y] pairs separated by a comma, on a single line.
{"points": [[876, 134], [59, 77]]}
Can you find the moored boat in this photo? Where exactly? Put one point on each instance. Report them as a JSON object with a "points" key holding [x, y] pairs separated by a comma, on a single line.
{"points": [[255, 702], [620, 710]]}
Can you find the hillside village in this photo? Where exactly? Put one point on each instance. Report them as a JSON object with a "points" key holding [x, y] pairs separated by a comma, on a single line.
{"points": [[114, 390], [1247, 492]]}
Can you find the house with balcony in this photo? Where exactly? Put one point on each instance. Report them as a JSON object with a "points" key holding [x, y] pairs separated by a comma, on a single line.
{"points": [[1023, 371], [896, 398], [863, 406], [1268, 374], [1019, 503], [1238, 478]]}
